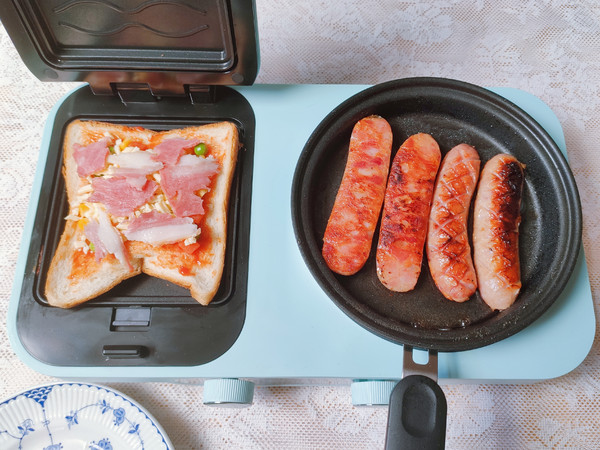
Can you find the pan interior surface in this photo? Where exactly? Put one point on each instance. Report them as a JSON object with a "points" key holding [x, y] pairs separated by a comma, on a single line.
{"points": [[452, 112]]}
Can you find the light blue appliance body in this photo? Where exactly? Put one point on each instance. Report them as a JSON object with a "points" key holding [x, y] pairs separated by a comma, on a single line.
{"points": [[293, 333]]}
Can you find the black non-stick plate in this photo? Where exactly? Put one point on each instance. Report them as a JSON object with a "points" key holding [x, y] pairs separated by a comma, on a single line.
{"points": [[452, 112]]}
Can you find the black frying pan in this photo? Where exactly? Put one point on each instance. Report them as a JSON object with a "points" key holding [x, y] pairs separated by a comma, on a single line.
{"points": [[452, 112]]}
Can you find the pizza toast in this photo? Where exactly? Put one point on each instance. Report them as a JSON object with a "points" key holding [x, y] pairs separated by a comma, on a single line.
{"points": [[143, 201]]}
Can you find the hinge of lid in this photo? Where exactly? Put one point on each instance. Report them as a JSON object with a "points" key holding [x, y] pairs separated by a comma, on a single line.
{"points": [[143, 93], [134, 92], [200, 94]]}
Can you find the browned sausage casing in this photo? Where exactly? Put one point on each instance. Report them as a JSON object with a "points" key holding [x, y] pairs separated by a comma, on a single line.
{"points": [[448, 249], [351, 225], [406, 212], [496, 220]]}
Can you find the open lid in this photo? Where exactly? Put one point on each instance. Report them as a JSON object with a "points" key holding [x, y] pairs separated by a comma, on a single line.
{"points": [[168, 45]]}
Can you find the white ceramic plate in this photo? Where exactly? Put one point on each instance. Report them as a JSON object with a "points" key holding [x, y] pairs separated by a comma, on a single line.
{"points": [[66, 416]]}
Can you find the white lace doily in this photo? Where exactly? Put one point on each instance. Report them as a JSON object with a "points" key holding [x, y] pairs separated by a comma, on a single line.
{"points": [[550, 48]]}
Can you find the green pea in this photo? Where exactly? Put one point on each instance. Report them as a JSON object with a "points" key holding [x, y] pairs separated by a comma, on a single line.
{"points": [[111, 149], [200, 149], [92, 248]]}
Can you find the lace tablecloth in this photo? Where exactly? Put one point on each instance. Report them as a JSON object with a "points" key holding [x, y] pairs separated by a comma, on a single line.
{"points": [[549, 48]]}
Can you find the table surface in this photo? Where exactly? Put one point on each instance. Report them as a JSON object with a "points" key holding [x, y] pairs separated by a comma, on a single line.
{"points": [[549, 49]]}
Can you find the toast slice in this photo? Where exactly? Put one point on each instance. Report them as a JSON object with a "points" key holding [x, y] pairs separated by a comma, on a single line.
{"points": [[79, 271]]}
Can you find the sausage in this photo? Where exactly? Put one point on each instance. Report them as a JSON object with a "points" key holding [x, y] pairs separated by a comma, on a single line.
{"points": [[351, 225], [496, 222], [448, 249], [406, 211]]}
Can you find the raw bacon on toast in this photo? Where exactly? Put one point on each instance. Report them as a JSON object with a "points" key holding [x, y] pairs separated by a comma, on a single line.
{"points": [[143, 201]]}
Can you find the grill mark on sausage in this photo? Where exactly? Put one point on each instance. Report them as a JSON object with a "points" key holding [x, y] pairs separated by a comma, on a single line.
{"points": [[406, 210], [448, 249]]}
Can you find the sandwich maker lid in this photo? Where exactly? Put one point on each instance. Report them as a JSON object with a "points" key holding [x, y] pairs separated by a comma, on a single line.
{"points": [[168, 46]]}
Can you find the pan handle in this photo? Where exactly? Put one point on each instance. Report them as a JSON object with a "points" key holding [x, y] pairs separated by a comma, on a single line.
{"points": [[417, 411]]}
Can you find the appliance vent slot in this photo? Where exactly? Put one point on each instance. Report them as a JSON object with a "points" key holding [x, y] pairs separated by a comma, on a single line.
{"points": [[124, 351]]}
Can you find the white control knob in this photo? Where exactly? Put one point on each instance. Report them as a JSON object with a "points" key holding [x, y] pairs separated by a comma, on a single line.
{"points": [[372, 392], [228, 391]]}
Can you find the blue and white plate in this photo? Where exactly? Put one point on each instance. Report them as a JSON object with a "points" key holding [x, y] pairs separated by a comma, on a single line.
{"points": [[65, 416]]}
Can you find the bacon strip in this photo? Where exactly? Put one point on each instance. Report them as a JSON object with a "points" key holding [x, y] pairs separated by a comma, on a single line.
{"points": [[157, 228], [170, 150], [91, 158], [106, 239], [181, 181], [134, 167], [119, 196], [142, 160]]}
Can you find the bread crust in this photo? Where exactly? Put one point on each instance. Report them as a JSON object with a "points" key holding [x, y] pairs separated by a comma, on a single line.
{"points": [[68, 285]]}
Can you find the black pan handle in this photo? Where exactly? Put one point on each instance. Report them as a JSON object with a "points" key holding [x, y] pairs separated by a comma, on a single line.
{"points": [[417, 412]]}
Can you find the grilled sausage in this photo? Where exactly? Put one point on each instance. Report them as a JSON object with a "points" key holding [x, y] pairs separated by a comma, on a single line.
{"points": [[496, 231], [448, 249], [406, 211], [349, 233]]}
